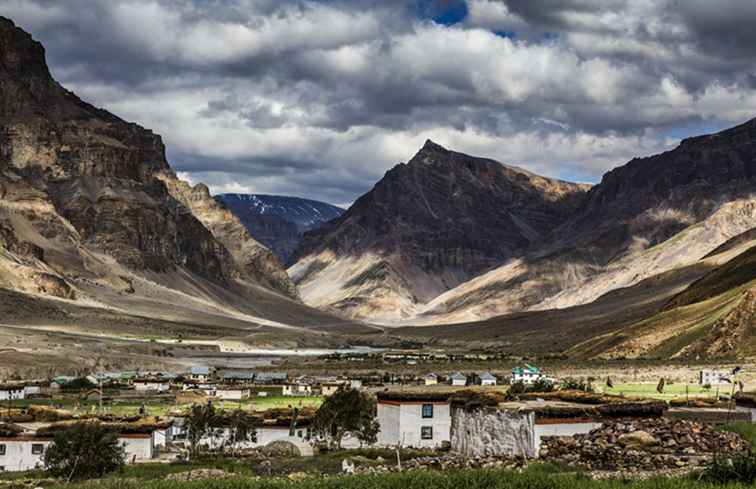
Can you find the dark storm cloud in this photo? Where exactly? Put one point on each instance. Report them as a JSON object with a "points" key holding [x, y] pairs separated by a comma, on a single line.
{"points": [[320, 98]]}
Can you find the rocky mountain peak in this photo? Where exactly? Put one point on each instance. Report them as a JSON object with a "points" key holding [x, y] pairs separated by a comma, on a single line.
{"points": [[20, 55]]}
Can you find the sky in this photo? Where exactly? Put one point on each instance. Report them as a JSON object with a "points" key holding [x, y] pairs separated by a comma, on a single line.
{"points": [[319, 99]]}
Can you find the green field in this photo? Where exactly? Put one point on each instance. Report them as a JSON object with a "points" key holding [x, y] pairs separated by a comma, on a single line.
{"points": [[670, 391]]}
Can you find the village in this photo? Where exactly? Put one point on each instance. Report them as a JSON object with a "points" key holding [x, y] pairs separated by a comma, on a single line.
{"points": [[432, 420]]}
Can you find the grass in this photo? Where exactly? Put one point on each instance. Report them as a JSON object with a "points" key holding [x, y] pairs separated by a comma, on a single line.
{"points": [[671, 391], [535, 477]]}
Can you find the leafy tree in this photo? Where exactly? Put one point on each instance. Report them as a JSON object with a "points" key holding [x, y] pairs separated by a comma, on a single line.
{"points": [[84, 451], [78, 384], [347, 411], [241, 426], [201, 422]]}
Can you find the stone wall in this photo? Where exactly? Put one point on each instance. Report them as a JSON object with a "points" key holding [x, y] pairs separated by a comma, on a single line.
{"points": [[490, 432]]}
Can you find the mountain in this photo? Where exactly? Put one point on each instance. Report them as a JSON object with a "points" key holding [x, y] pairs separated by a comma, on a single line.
{"points": [[426, 227], [279, 221], [91, 213], [649, 216]]}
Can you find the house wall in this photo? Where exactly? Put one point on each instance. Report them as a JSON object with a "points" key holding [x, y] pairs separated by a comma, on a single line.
{"points": [[137, 447], [401, 424], [232, 394], [492, 432], [18, 454], [12, 394]]}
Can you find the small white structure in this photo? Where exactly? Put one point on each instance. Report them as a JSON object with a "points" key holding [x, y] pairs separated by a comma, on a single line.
{"points": [[487, 378], [147, 385], [138, 446], [32, 390], [527, 375], [12, 392], [430, 379], [355, 384], [200, 374], [413, 420], [232, 393], [330, 388], [297, 389], [457, 379], [713, 377]]}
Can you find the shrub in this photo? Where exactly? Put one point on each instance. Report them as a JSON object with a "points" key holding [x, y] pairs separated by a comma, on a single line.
{"points": [[84, 451], [729, 469], [576, 385]]}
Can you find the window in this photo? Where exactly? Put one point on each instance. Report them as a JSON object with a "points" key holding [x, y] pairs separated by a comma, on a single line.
{"points": [[426, 432], [2, 449], [37, 448], [427, 410]]}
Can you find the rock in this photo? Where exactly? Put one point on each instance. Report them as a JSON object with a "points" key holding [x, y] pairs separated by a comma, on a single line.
{"points": [[637, 439], [297, 476]]}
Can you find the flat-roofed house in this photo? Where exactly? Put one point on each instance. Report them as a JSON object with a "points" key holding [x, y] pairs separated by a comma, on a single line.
{"points": [[200, 374], [419, 420], [12, 392], [151, 385], [232, 392]]}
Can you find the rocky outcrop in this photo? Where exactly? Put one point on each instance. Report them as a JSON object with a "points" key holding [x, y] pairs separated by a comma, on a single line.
{"points": [[426, 227], [82, 187], [256, 262]]}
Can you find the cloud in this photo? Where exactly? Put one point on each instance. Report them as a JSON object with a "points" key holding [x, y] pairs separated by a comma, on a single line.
{"points": [[320, 98]]}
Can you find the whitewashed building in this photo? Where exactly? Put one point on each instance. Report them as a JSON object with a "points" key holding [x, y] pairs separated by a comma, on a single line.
{"points": [[713, 377], [200, 374], [26, 452], [232, 393], [430, 379], [420, 420], [487, 378], [297, 389], [151, 385], [527, 375], [12, 392], [457, 379]]}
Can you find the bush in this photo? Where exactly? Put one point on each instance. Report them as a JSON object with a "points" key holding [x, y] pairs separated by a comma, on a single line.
{"points": [[729, 469], [77, 385], [84, 451]]}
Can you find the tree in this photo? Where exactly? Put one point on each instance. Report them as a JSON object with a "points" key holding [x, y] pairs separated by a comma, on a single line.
{"points": [[347, 411], [241, 426], [201, 422], [84, 451], [78, 384]]}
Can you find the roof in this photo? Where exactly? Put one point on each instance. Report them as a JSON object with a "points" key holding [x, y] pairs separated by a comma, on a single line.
{"points": [[238, 375], [199, 370], [487, 376], [430, 376], [457, 376], [270, 376], [529, 369]]}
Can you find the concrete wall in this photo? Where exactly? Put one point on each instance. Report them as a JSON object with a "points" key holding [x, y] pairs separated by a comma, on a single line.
{"points": [[402, 422], [485, 432]]}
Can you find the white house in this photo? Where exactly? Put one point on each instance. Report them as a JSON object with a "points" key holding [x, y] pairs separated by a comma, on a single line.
{"points": [[200, 374], [144, 385], [457, 379], [12, 392], [713, 377], [21, 453], [487, 378], [430, 379], [330, 388], [526, 375], [232, 393], [419, 420], [297, 389]]}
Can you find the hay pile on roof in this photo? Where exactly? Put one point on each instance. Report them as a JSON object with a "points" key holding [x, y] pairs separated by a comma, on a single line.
{"points": [[8, 430], [415, 396], [474, 399]]}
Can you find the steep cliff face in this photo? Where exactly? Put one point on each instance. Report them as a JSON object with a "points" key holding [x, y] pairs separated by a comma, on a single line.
{"points": [[90, 192], [256, 261], [426, 227]]}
